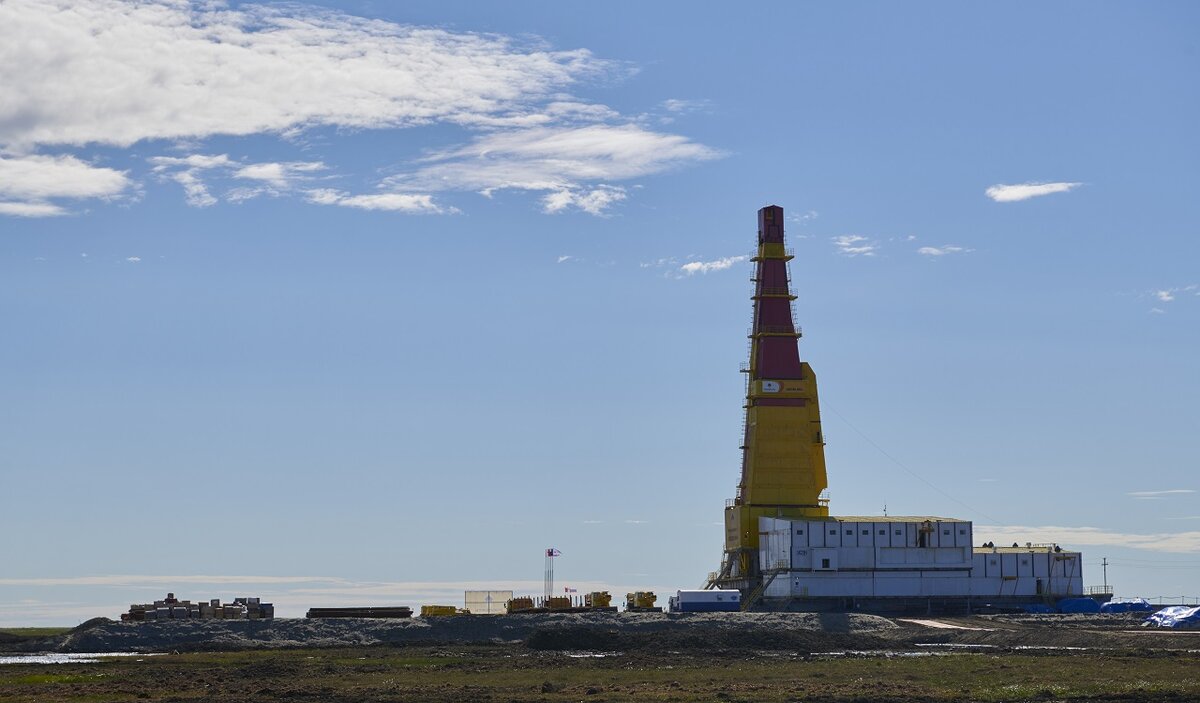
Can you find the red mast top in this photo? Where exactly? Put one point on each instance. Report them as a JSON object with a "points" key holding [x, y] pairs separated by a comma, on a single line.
{"points": [[776, 351]]}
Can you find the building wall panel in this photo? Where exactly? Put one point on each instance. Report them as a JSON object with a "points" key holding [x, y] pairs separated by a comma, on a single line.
{"points": [[849, 534], [833, 534], [816, 534], [802, 558], [856, 558], [1008, 565], [900, 586]]}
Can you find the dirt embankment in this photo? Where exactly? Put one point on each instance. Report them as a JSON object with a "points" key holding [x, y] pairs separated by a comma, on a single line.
{"points": [[604, 631], [717, 633]]}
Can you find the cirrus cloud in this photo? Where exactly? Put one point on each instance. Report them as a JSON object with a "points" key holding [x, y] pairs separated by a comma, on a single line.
{"points": [[1003, 193], [855, 245], [394, 202], [1184, 542], [693, 267], [943, 250]]}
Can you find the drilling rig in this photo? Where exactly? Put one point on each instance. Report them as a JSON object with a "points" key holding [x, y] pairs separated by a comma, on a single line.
{"points": [[783, 448], [783, 550]]}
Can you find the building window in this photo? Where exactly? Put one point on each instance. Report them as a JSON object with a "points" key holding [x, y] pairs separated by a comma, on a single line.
{"points": [[897, 532], [866, 532], [833, 532], [824, 563], [882, 533], [799, 532], [849, 532], [962, 531], [945, 532]]}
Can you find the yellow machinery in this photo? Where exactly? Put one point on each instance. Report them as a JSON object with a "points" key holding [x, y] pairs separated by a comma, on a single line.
{"points": [[783, 452], [559, 603], [597, 599], [641, 600], [519, 604], [432, 611]]}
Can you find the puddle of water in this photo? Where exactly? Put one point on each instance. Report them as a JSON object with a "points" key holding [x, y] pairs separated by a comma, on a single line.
{"points": [[76, 658], [591, 655], [886, 654]]}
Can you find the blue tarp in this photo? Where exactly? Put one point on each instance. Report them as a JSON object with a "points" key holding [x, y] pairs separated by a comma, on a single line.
{"points": [[1127, 605], [1177, 616], [1078, 605], [1038, 608]]}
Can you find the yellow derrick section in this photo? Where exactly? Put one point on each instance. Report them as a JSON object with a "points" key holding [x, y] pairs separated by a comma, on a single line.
{"points": [[784, 470]]}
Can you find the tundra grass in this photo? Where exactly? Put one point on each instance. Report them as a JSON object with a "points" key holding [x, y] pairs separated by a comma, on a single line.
{"points": [[504, 674], [34, 631]]}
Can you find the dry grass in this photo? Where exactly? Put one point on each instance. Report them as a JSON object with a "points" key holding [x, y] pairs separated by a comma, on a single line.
{"points": [[514, 673]]}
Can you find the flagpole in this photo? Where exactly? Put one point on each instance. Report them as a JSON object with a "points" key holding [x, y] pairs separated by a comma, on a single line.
{"points": [[548, 584]]}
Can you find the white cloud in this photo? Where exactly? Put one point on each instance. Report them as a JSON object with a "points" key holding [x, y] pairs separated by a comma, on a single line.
{"points": [[133, 259], [855, 245], [804, 216], [1161, 494], [693, 267], [1167, 295], [1076, 537], [560, 160], [31, 209], [416, 203], [942, 250], [594, 202], [1002, 193], [191, 161], [118, 73], [680, 106], [279, 175], [186, 170], [28, 183], [565, 258], [112, 72]]}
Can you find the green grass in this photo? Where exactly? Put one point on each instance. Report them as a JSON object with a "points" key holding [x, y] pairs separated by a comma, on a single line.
{"points": [[34, 631], [45, 679]]}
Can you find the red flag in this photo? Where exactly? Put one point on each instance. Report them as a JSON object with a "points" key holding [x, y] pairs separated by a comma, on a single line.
{"points": [[552, 552]]}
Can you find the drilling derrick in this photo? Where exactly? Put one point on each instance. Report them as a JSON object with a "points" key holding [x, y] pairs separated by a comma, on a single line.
{"points": [[783, 452]]}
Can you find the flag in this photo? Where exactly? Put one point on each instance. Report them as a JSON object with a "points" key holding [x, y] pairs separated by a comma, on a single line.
{"points": [[569, 590], [552, 552]]}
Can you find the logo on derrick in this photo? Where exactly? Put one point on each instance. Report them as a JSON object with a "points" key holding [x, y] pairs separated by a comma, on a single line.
{"points": [[770, 386]]}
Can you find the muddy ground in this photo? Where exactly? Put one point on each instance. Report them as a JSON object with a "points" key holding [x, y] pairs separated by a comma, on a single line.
{"points": [[621, 657]]}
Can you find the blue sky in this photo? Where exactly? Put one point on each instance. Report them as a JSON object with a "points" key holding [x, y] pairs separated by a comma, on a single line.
{"points": [[366, 302]]}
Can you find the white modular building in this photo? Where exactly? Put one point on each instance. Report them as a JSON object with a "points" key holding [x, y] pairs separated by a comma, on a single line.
{"points": [[868, 561]]}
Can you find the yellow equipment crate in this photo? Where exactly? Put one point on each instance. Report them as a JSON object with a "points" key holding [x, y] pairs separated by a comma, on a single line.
{"points": [[597, 599], [430, 611]]}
